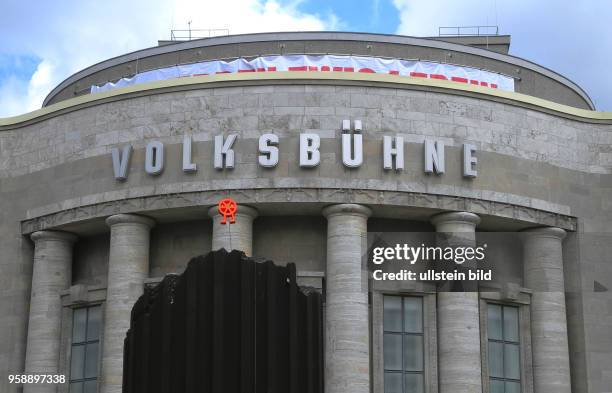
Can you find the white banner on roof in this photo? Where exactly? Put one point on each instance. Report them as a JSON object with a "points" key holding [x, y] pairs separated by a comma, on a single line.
{"points": [[322, 63]]}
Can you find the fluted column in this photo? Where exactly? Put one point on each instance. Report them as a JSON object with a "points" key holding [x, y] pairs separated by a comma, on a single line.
{"points": [[236, 236], [52, 273], [543, 274], [128, 267], [347, 358], [459, 360]]}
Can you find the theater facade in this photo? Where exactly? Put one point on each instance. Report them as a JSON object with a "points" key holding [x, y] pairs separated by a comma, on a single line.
{"points": [[321, 138]]}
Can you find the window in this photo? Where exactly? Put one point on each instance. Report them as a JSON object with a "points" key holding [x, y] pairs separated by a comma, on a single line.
{"points": [[503, 349], [86, 323], [403, 344]]}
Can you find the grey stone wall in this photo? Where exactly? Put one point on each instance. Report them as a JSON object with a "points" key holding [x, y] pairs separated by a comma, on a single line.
{"points": [[526, 158], [90, 262], [300, 240], [492, 126], [174, 244]]}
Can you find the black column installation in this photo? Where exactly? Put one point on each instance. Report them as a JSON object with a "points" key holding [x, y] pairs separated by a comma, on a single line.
{"points": [[227, 324]]}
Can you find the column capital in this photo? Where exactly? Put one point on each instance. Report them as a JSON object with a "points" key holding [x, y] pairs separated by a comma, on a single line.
{"points": [[130, 219], [213, 211], [551, 232], [347, 208], [54, 235], [455, 218]]}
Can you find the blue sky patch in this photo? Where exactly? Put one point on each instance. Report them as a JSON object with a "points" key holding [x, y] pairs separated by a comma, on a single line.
{"points": [[372, 16], [18, 66]]}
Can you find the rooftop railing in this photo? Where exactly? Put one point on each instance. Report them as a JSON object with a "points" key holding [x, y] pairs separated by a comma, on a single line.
{"points": [[447, 31], [190, 34]]}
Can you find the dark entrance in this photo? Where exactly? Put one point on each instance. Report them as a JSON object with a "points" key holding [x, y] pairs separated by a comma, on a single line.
{"points": [[227, 324]]}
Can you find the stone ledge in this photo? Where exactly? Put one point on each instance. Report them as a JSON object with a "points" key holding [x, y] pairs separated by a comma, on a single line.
{"points": [[252, 197], [350, 186], [304, 78]]}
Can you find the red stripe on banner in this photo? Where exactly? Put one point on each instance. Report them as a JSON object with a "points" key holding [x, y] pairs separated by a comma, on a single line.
{"points": [[493, 85], [313, 68], [394, 72], [300, 68], [349, 69], [271, 69], [325, 68], [484, 84], [459, 79], [473, 82], [261, 69], [222, 72], [336, 69], [246, 70], [199, 74], [437, 76], [367, 70], [418, 74]]}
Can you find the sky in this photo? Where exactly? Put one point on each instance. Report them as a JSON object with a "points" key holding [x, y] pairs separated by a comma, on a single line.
{"points": [[43, 42]]}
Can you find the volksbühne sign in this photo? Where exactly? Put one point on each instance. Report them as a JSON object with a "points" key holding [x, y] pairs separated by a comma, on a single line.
{"points": [[309, 157]]}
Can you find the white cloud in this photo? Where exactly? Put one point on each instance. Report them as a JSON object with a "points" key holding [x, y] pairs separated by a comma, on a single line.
{"points": [[78, 34], [422, 18], [248, 16], [572, 38]]}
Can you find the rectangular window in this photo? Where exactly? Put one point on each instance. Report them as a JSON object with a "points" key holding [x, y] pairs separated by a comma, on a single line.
{"points": [[503, 349], [403, 344], [86, 324]]}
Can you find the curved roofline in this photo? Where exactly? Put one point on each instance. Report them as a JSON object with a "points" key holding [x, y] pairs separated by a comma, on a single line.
{"points": [[317, 35], [305, 77]]}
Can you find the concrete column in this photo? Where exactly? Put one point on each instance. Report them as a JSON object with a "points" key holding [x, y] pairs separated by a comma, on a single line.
{"points": [[347, 357], [128, 267], [543, 273], [236, 236], [51, 274], [459, 360]]}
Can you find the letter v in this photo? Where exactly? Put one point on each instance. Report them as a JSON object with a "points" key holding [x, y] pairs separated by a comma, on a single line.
{"points": [[121, 162]]}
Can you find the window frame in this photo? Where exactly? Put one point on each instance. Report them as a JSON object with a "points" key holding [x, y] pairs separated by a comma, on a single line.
{"points": [[504, 342], [430, 368], [85, 343], [524, 320], [95, 296]]}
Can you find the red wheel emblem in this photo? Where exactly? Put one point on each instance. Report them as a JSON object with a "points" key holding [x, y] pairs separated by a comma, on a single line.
{"points": [[228, 208]]}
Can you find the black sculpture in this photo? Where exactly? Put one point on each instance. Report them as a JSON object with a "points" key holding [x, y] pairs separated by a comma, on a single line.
{"points": [[227, 324]]}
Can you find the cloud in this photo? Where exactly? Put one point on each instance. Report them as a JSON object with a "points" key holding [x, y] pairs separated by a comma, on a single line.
{"points": [[574, 39], [248, 16], [69, 35]]}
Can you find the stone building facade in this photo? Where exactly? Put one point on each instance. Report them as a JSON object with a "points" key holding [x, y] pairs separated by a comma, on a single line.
{"points": [[78, 245]]}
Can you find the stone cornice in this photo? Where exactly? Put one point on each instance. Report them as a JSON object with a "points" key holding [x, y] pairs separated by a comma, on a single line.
{"points": [[297, 77], [323, 196]]}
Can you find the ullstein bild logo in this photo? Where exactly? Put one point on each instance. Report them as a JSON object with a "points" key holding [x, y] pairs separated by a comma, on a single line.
{"points": [[352, 153]]}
